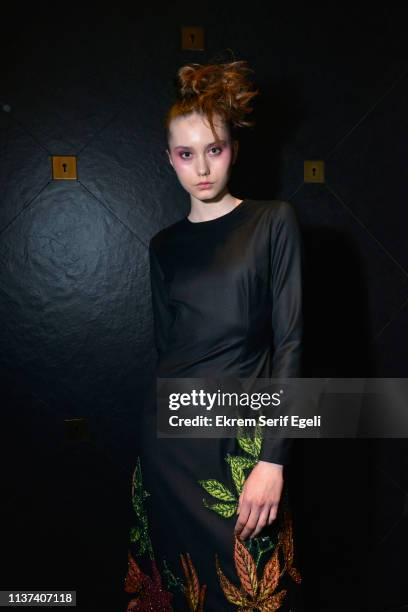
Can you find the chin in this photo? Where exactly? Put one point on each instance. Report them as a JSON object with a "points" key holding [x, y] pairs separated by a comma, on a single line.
{"points": [[204, 194]]}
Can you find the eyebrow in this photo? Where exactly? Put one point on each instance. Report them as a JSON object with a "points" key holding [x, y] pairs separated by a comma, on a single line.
{"points": [[216, 142]]}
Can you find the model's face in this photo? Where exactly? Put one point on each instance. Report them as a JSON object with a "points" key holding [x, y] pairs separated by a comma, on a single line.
{"points": [[197, 157]]}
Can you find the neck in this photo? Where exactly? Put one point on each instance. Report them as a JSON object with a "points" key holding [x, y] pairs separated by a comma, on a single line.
{"points": [[205, 210]]}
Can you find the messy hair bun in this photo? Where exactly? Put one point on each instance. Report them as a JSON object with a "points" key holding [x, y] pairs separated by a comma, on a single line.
{"points": [[223, 88]]}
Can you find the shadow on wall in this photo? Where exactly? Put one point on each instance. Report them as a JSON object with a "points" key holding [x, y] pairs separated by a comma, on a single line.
{"points": [[337, 340], [278, 113], [333, 479]]}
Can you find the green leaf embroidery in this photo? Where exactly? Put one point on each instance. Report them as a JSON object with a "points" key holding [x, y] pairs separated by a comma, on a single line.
{"points": [[134, 534], [238, 464], [237, 472], [259, 546], [225, 510], [258, 439], [240, 461], [239, 478], [217, 490], [252, 445], [173, 581], [248, 445], [140, 533]]}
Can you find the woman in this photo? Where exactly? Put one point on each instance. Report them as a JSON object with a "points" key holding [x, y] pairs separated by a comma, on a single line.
{"points": [[213, 528]]}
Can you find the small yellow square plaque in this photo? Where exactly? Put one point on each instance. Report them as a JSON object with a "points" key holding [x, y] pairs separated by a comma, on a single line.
{"points": [[192, 38], [314, 172], [64, 167]]}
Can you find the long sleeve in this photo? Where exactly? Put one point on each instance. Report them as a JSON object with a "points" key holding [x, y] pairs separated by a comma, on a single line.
{"points": [[287, 319], [161, 312]]}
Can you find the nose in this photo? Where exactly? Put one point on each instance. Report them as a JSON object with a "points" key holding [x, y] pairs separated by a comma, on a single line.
{"points": [[202, 166]]}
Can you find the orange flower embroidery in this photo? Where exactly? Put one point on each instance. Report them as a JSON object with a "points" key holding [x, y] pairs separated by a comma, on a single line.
{"points": [[254, 594], [149, 591]]}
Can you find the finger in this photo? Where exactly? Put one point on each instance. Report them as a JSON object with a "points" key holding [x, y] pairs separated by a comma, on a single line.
{"points": [[272, 514], [262, 522], [251, 523], [243, 517]]}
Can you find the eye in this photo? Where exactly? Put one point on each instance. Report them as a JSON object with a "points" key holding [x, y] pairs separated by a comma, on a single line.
{"points": [[216, 149], [185, 153]]}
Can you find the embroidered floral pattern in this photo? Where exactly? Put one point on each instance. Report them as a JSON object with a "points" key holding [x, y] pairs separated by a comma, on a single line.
{"points": [[140, 534], [258, 546], [255, 593], [173, 581], [149, 591], [237, 464], [260, 594], [193, 592]]}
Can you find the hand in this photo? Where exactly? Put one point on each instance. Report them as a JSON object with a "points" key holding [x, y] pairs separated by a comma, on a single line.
{"points": [[259, 499]]}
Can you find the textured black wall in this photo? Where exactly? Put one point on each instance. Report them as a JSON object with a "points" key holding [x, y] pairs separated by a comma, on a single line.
{"points": [[76, 333]]}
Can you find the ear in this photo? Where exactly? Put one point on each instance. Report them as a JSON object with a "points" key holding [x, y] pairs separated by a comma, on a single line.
{"points": [[169, 156], [235, 150]]}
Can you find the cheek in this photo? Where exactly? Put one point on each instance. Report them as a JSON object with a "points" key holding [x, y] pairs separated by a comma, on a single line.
{"points": [[180, 166], [224, 159]]}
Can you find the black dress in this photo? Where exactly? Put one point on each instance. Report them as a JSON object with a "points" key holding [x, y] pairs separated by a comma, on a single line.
{"points": [[227, 301]]}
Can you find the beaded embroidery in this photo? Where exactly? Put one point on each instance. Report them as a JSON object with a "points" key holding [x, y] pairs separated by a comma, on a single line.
{"points": [[254, 593]]}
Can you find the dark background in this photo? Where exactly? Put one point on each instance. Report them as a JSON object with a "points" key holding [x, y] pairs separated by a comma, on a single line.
{"points": [[76, 334]]}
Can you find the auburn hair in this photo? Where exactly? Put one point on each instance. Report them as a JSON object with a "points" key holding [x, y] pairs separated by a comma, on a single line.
{"points": [[222, 88]]}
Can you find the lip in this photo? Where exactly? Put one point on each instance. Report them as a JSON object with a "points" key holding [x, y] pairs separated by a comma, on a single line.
{"points": [[205, 184]]}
